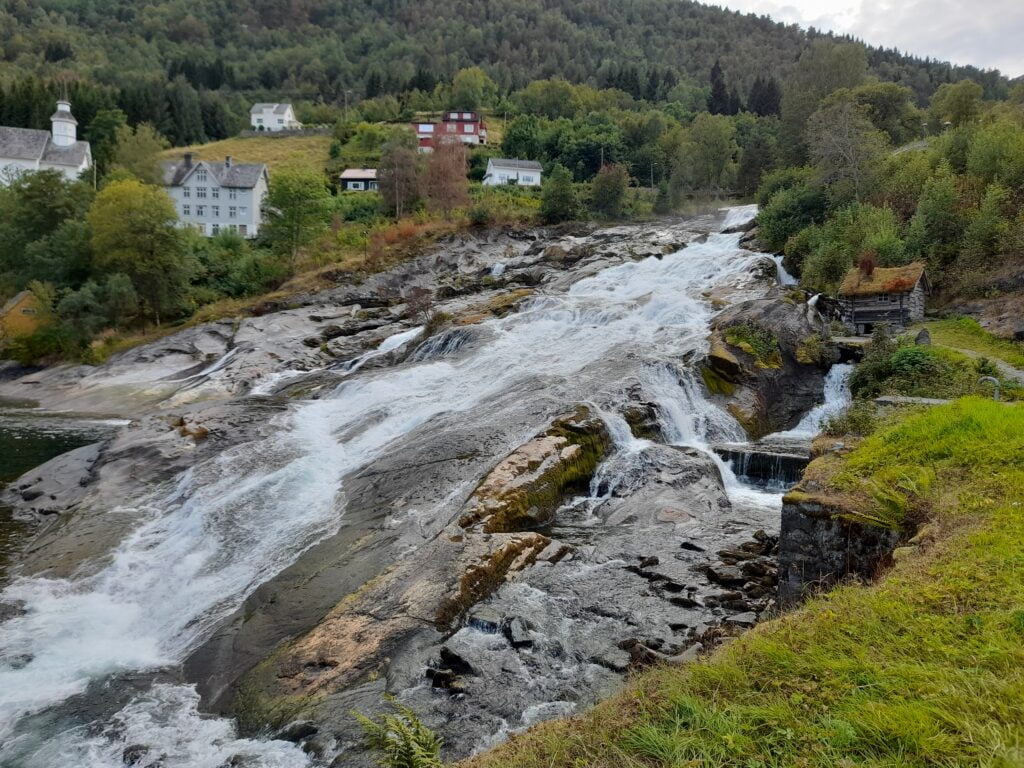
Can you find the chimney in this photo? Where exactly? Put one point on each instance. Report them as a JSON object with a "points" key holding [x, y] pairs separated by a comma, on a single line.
{"points": [[227, 161], [188, 160]]}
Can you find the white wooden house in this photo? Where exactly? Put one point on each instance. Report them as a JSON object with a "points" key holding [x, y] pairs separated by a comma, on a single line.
{"points": [[273, 117], [218, 197], [525, 173]]}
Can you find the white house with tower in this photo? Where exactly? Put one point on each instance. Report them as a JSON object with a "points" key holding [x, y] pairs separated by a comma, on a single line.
{"points": [[26, 149], [217, 197]]}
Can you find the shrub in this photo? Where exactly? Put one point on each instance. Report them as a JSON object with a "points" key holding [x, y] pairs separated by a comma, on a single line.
{"points": [[789, 211], [401, 739], [859, 418], [784, 178], [759, 343]]}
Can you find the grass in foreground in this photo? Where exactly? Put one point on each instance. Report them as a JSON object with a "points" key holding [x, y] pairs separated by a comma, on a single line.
{"points": [[965, 333], [305, 152], [924, 668]]}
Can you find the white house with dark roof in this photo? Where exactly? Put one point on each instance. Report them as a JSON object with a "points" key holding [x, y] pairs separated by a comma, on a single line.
{"points": [[218, 197], [27, 149], [273, 117], [500, 171]]}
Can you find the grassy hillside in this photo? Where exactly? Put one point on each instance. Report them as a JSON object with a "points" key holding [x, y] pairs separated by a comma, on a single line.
{"points": [[306, 152], [925, 668]]}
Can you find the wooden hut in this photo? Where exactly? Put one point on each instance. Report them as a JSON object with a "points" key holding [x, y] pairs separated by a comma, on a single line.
{"points": [[892, 295]]}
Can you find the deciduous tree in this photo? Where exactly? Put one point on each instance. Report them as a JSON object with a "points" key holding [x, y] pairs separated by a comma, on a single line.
{"points": [[398, 174], [446, 184], [134, 232]]}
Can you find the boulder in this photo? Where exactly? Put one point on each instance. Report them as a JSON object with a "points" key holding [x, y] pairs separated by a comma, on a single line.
{"points": [[770, 381]]}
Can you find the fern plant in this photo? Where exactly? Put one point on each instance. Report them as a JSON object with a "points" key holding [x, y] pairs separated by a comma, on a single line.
{"points": [[402, 740]]}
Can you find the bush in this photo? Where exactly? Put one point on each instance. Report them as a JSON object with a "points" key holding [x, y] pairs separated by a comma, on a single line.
{"points": [[401, 739], [759, 343], [789, 211], [859, 418], [784, 178]]}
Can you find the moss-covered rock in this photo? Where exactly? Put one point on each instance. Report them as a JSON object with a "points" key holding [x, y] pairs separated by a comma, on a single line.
{"points": [[528, 486]]}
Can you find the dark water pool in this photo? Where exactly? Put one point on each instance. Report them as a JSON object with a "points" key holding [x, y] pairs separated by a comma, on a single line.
{"points": [[30, 438]]}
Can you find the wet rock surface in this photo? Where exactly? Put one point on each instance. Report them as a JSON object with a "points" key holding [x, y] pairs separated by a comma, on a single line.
{"points": [[770, 393], [500, 559]]}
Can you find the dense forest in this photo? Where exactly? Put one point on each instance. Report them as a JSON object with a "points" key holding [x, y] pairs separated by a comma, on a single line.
{"points": [[192, 67]]}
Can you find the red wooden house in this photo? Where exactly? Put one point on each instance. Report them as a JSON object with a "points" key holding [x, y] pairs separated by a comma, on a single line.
{"points": [[469, 127]]}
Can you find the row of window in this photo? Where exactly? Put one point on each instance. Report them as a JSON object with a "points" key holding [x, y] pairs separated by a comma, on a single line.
{"points": [[216, 229], [259, 121], [214, 193], [233, 211]]}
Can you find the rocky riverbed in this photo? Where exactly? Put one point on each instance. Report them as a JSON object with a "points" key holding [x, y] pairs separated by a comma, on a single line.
{"points": [[492, 508]]}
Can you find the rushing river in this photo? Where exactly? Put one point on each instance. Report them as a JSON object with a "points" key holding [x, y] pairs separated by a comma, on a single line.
{"points": [[230, 524]]}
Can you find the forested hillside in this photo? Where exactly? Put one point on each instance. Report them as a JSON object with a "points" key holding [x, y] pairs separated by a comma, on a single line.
{"points": [[162, 61]]}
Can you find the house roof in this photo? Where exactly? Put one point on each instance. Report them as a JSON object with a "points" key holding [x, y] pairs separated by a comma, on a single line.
{"points": [[23, 143], [882, 280], [277, 109], [359, 173], [32, 144], [13, 302], [74, 155], [236, 175], [518, 165]]}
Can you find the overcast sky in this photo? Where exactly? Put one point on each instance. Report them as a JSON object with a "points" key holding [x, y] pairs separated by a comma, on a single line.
{"points": [[986, 33]]}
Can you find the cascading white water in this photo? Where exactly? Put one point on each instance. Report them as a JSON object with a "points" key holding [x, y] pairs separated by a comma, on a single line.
{"points": [[234, 522], [837, 397]]}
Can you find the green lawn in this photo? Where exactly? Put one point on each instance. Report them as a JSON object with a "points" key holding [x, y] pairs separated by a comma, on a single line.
{"points": [[965, 333], [924, 668]]}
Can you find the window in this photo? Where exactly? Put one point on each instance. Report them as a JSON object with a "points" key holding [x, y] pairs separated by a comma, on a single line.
{"points": [[373, 185], [27, 311], [216, 229], [451, 127], [215, 210], [357, 185], [280, 121], [259, 121], [186, 210], [200, 210], [527, 179], [243, 211], [215, 193], [232, 227], [201, 175], [232, 194], [200, 191], [242, 230], [467, 128], [232, 212], [186, 191]]}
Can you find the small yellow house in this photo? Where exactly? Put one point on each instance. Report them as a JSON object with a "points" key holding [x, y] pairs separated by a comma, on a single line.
{"points": [[20, 316]]}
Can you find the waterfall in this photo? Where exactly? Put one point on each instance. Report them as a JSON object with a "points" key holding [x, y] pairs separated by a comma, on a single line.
{"points": [[206, 542], [837, 397]]}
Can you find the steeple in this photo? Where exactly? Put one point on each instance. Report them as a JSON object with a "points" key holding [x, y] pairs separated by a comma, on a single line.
{"points": [[65, 127]]}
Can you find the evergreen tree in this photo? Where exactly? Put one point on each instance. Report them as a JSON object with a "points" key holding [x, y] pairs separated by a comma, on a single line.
{"points": [[718, 100], [374, 85]]}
